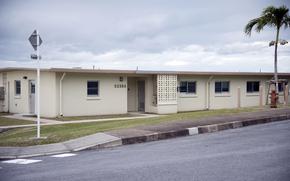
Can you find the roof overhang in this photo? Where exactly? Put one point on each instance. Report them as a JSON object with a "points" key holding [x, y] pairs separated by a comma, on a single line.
{"points": [[144, 72]]}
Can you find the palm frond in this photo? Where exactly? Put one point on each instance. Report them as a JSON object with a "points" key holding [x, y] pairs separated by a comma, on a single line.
{"points": [[270, 16], [250, 25]]}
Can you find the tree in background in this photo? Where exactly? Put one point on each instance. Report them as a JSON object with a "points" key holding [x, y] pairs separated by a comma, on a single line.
{"points": [[272, 17]]}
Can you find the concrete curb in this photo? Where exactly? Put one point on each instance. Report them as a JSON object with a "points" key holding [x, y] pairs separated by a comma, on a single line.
{"points": [[102, 140], [202, 129], [238, 124]]}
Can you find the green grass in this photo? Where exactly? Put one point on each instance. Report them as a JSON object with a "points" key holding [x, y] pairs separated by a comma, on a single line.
{"points": [[76, 118], [10, 122], [59, 133]]}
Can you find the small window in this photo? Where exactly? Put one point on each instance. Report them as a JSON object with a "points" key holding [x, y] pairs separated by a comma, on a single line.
{"points": [[222, 86], [253, 86], [187, 87], [92, 88], [281, 86], [17, 87]]}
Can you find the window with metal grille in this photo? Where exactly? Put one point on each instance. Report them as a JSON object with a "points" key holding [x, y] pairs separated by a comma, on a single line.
{"points": [[93, 88], [187, 87], [253, 86], [222, 86]]}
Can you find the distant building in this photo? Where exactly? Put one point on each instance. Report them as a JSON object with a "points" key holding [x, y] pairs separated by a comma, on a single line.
{"points": [[79, 92]]}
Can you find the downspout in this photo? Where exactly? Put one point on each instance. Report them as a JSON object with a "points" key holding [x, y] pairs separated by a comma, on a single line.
{"points": [[207, 96], [60, 94]]}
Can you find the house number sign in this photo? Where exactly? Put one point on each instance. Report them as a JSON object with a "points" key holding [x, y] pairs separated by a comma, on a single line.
{"points": [[120, 86]]}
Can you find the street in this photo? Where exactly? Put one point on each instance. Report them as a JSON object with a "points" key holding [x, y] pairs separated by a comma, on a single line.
{"points": [[260, 152]]}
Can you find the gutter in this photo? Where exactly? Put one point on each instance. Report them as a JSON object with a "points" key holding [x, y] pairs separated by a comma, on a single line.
{"points": [[60, 94], [207, 96]]}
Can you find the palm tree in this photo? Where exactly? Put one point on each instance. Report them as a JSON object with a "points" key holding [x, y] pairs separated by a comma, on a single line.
{"points": [[272, 17]]}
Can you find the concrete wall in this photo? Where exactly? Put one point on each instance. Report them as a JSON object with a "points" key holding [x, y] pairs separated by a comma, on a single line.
{"points": [[190, 102], [20, 104], [132, 94], [230, 100], [2, 102], [198, 101], [111, 100]]}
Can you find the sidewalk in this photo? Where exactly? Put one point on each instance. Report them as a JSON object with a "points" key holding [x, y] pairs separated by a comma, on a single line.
{"points": [[149, 133], [55, 122]]}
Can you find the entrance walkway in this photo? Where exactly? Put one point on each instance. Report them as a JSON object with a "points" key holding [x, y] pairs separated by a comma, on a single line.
{"points": [[133, 115]]}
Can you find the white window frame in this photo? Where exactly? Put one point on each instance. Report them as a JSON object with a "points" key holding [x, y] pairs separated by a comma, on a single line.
{"points": [[95, 95]]}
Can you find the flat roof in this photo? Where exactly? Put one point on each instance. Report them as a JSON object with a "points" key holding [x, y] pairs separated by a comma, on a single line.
{"points": [[144, 72]]}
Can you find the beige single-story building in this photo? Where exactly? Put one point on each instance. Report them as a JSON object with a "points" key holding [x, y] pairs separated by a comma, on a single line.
{"points": [[79, 92]]}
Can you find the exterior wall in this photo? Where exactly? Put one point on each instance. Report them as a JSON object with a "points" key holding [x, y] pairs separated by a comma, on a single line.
{"points": [[199, 101], [191, 102], [281, 94], [2, 102], [20, 104], [150, 105], [166, 93], [230, 100], [167, 109], [111, 100], [132, 94]]}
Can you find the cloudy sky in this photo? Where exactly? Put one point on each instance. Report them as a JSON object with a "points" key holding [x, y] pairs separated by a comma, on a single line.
{"points": [[151, 34]]}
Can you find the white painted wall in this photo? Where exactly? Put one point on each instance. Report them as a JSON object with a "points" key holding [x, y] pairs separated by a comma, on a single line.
{"points": [[111, 100], [230, 100], [20, 104], [119, 100], [190, 102], [2, 102], [132, 94]]}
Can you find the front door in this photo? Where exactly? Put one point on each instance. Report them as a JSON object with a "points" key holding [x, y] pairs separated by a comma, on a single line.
{"points": [[141, 95], [32, 96]]}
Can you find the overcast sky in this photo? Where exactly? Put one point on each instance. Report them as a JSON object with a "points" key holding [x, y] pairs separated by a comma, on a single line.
{"points": [[151, 34]]}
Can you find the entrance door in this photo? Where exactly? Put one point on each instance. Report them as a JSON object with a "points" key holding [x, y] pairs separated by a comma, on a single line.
{"points": [[141, 95], [32, 96]]}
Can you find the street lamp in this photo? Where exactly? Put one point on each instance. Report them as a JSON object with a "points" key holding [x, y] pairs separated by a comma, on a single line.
{"points": [[282, 42]]}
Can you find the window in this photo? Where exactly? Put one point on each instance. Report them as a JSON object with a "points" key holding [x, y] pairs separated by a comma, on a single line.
{"points": [[281, 87], [92, 88], [222, 86], [187, 87], [17, 87], [253, 86]]}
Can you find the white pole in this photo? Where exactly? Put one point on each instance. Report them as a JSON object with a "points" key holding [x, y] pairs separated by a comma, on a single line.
{"points": [[38, 85]]}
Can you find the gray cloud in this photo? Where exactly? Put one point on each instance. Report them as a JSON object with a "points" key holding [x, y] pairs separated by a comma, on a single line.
{"points": [[131, 32]]}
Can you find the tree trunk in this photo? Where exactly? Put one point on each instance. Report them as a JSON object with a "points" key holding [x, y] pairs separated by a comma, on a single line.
{"points": [[275, 61]]}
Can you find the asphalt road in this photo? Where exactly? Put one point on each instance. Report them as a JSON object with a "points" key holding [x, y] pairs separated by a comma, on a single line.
{"points": [[255, 153]]}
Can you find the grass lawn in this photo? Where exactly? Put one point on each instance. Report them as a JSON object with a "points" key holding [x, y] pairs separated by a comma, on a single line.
{"points": [[76, 118], [59, 133], [9, 121]]}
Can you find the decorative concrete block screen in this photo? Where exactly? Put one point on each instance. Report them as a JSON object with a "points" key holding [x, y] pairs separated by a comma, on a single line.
{"points": [[166, 89]]}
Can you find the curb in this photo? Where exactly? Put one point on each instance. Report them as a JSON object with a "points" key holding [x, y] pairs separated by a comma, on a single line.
{"points": [[147, 138], [155, 137], [202, 129]]}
